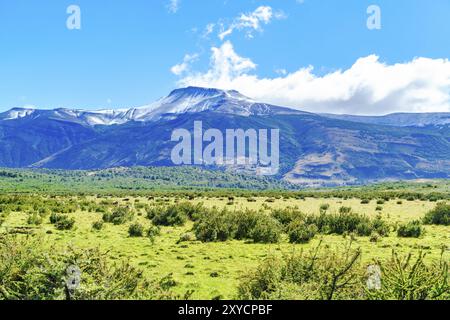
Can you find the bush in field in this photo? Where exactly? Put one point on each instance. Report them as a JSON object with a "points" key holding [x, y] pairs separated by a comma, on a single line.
{"points": [[65, 224], [215, 225], [263, 282], [31, 271], [287, 216], [136, 230], [266, 230], [97, 225], [380, 226], [345, 210], [346, 223], [169, 216], [300, 232], [245, 222], [153, 232], [412, 279], [319, 274], [118, 216], [34, 219], [410, 230], [440, 215], [62, 221], [186, 237]]}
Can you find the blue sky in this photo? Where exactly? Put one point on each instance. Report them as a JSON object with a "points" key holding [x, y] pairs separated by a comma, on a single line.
{"points": [[125, 52]]}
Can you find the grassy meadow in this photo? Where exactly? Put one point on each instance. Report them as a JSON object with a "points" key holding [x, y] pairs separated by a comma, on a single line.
{"points": [[214, 270]]}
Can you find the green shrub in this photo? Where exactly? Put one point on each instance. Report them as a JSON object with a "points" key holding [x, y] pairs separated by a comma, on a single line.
{"points": [[245, 222], [62, 221], [187, 237], [97, 225], [171, 216], [287, 216], [299, 232], [380, 226], [440, 215], [319, 274], [344, 210], [136, 230], [262, 282], [65, 223], [34, 219], [30, 270], [266, 230], [406, 278], [118, 216], [153, 232], [215, 225], [374, 237], [410, 230]]}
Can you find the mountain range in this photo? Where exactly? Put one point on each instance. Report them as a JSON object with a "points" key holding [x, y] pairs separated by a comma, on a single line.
{"points": [[315, 149]]}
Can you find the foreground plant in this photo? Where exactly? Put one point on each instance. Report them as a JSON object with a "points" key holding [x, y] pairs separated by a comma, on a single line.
{"points": [[29, 270], [325, 274], [412, 279]]}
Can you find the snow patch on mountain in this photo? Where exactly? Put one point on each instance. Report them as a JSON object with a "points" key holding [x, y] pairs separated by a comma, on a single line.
{"points": [[17, 113], [179, 101]]}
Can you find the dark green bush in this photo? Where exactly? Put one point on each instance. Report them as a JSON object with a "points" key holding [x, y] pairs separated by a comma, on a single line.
{"points": [[344, 210], [34, 219], [266, 230], [245, 222], [410, 230], [136, 230], [97, 225], [440, 215], [62, 221], [65, 224], [31, 270], [319, 274], [170, 216], [287, 216], [153, 232], [118, 216], [215, 225], [300, 232], [409, 278]]}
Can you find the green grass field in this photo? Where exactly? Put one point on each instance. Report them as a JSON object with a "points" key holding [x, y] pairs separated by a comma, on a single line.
{"points": [[213, 270]]}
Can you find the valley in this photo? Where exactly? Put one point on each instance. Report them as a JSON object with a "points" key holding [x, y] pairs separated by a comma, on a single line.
{"points": [[214, 243]]}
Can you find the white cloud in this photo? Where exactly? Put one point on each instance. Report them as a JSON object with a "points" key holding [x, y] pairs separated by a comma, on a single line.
{"points": [[226, 66], [251, 22], [173, 6], [181, 68], [367, 87], [208, 30]]}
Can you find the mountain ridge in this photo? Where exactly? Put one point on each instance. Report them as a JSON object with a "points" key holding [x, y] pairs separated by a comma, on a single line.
{"points": [[315, 150], [183, 100]]}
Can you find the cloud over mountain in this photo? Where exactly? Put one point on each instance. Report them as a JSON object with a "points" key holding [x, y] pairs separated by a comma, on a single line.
{"points": [[368, 87]]}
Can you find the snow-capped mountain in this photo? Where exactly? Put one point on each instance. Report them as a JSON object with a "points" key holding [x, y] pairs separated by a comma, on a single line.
{"points": [[315, 150], [179, 101]]}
